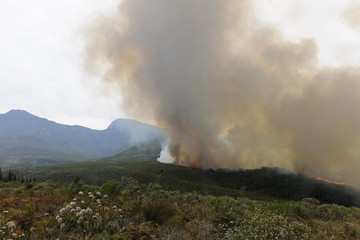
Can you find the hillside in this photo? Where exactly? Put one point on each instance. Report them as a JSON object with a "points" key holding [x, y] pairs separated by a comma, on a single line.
{"points": [[139, 162], [27, 140]]}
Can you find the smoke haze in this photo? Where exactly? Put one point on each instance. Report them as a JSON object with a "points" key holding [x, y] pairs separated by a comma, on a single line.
{"points": [[352, 16], [232, 93]]}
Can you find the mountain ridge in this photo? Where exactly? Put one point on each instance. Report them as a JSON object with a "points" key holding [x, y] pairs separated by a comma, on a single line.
{"points": [[29, 140]]}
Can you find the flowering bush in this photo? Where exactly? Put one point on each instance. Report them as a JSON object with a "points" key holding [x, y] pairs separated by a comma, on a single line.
{"points": [[87, 215]]}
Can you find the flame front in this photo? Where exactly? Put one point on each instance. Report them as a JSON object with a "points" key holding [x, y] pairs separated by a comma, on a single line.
{"points": [[329, 181]]}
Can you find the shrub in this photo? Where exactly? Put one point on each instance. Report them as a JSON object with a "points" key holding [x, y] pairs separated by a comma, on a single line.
{"points": [[110, 188], [158, 211]]}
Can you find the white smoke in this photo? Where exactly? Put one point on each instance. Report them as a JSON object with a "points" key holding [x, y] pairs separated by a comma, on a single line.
{"points": [[165, 156]]}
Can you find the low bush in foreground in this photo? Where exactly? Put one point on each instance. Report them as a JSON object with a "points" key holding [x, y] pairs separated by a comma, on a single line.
{"points": [[128, 210]]}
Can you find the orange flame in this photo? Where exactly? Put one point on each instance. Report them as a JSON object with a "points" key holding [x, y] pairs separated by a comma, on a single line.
{"points": [[186, 164], [339, 183]]}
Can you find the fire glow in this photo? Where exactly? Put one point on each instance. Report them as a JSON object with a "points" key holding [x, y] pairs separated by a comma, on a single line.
{"points": [[328, 181]]}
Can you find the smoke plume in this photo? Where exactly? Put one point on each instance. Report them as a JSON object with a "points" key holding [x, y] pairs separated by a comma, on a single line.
{"points": [[352, 15], [232, 92]]}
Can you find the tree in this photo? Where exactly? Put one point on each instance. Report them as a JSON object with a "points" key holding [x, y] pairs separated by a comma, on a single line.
{"points": [[10, 176], [76, 180]]}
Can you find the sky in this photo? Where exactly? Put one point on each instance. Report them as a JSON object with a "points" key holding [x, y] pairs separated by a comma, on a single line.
{"points": [[41, 52]]}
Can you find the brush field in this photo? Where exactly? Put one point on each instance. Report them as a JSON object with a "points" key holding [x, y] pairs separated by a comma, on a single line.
{"points": [[132, 196]]}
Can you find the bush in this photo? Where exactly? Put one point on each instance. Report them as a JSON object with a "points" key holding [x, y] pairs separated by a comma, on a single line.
{"points": [[110, 188], [158, 211]]}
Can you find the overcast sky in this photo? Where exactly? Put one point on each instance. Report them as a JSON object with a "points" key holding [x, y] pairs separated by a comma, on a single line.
{"points": [[41, 45]]}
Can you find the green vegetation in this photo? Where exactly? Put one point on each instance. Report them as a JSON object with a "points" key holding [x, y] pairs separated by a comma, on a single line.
{"points": [[138, 163], [132, 196], [129, 210]]}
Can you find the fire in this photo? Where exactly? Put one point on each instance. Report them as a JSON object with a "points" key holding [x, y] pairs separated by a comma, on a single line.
{"points": [[182, 165], [326, 180], [187, 164]]}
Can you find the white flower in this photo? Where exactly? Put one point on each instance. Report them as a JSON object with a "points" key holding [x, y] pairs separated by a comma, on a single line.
{"points": [[81, 193], [62, 225], [72, 203], [98, 201], [78, 208], [105, 196], [47, 214], [5, 212], [14, 235], [89, 193], [114, 207], [74, 199], [57, 216], [68, 207], [10, 224], [98, 193], [72, 210], [59, 220], [82, 202], [62, 211], [89, 211]]}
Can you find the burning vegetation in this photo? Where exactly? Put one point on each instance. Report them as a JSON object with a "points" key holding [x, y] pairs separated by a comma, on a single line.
{"points": [[329, 181]]}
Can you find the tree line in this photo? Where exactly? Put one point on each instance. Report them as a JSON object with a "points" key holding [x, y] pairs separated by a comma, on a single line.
{"points": [[11, 177]]}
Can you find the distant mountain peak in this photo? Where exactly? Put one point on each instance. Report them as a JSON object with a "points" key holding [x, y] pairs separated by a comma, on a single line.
{"points": [[18, 111], [137, 131], [19, 115], [124, 123]]}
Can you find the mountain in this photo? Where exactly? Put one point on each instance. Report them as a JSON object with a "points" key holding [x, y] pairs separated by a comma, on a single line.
{"points": [[27, 140]]}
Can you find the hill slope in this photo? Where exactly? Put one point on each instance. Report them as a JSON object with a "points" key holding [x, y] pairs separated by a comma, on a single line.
{"points": [[28, 140], [140, 163]]}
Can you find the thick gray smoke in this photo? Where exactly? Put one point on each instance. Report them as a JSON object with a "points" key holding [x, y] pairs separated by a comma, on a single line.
{"points": [[232, 93]]}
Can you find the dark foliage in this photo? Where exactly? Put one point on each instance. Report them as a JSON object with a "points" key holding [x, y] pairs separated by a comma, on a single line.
{"points": [[291, 186]]}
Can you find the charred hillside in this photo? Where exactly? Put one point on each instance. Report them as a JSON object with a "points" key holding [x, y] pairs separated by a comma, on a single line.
{"points": [[278, 183]]}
